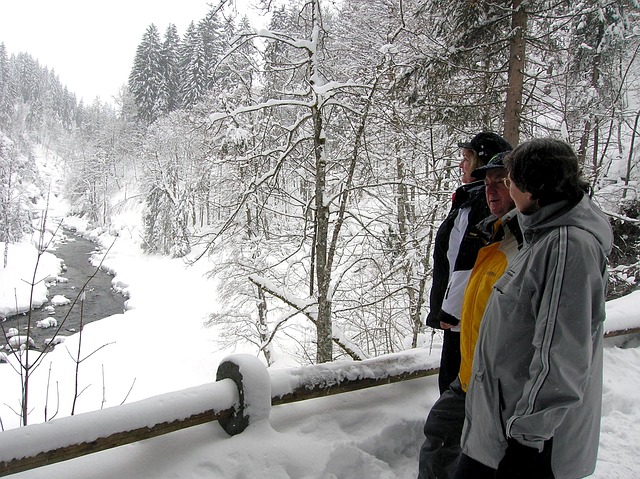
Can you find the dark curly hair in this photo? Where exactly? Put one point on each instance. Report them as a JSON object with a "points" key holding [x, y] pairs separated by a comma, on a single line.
{"points": [[548, 169]]}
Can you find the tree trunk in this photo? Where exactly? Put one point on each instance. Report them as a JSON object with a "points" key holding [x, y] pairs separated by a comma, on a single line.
{"points": [[630, 157], [516, 73], [263, 326], [323, 275], [595, 79], [404, 217], [323, 272]]}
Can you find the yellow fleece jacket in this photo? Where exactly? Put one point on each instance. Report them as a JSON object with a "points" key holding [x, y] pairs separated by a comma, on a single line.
{"points": [[491, 263]]}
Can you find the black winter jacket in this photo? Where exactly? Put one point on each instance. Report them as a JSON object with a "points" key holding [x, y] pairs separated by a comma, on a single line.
{"points": [[469, 205]]}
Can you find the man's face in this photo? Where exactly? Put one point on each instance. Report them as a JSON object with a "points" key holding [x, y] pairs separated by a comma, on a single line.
{"points": [[497, 193]]}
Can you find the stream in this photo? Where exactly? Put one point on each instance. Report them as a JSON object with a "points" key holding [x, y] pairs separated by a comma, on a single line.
{"points": [[100, 300]]}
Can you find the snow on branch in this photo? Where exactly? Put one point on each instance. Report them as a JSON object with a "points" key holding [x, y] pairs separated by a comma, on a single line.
{"points": [[308, 307]]}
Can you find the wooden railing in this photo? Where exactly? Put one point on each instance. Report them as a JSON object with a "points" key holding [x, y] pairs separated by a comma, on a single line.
{"points": [[232, 400], [621, 332]]}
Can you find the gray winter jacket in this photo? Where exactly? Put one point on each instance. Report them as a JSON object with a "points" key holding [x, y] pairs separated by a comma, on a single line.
{"points": [[537, 371]]}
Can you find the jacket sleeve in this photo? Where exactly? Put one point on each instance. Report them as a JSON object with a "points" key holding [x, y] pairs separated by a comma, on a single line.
{"points": [[568, 290], [440, 275]]}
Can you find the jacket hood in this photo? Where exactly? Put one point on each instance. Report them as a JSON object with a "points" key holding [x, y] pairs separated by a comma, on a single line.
{"points": [[584, 215]]}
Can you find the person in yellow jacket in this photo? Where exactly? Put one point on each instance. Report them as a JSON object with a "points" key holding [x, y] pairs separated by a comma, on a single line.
{"points": [[500, 233], [491, 263]]}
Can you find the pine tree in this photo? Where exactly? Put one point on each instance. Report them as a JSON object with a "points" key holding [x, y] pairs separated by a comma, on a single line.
{"points": [[462, 52], [211, 34], [193, 68], [146, 80], [170, 70], [7, 93], [201, 50]]}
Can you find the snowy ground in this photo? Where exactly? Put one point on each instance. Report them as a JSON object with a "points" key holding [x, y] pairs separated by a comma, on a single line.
{"points": [[160, 345]]}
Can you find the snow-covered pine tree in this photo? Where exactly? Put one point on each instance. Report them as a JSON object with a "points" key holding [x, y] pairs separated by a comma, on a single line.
{"points": [[146, 80], [201, 50], [211, 36], [462, 54], [170, 70], [7, 92], [193, 68], [17, 174]]}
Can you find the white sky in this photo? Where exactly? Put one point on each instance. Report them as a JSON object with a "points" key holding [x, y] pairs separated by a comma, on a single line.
{"points": [[91, 44]]}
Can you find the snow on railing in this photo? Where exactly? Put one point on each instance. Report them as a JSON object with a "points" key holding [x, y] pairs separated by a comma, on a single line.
{"points": [[244, 392]]}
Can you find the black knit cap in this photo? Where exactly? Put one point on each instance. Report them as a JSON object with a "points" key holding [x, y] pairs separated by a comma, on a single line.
{"points": [[486, 144]]}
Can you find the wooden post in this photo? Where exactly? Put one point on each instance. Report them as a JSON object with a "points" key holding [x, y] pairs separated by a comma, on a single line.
{"points": [[254, 391]]}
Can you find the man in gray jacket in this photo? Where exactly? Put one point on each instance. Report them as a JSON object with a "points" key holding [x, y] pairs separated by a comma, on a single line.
{"points": [[534, 401]]}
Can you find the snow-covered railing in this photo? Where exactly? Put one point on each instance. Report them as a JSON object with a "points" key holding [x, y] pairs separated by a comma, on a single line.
{"points": [[243, 393]]}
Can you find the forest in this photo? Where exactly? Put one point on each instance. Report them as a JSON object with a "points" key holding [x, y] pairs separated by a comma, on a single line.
{"points": [[316, 157]]}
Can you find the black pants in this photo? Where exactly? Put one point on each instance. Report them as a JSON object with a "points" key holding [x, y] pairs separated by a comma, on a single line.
{"points": [[468, 468], [449, 360], [442, 431], [471, 469]]}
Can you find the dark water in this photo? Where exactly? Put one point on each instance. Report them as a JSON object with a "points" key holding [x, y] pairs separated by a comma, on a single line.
{"points": [[100, 300]]}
